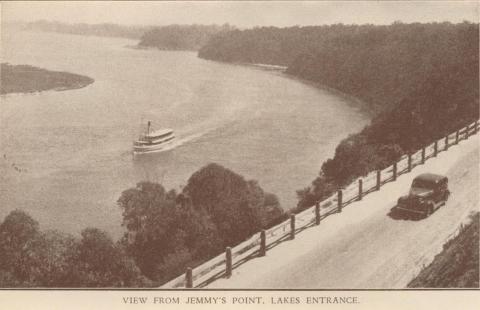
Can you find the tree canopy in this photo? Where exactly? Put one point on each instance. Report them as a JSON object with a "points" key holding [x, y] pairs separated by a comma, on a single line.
{"points": [[167, 231], [34, 258]]}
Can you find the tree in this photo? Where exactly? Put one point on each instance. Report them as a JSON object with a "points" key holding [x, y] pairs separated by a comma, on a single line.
{"points": [[101, 263], [164, 227], [53, 258], [32, 258], [18, 234], [231, 202]]}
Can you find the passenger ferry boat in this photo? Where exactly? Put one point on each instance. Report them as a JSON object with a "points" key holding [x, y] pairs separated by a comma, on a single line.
{"points": [[153, 141]]}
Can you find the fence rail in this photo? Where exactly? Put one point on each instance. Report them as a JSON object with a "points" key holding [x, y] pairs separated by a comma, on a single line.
{"points": [[258, 244]]}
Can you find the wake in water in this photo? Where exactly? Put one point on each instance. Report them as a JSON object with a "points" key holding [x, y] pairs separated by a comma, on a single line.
{"points": [[187, 135], [176, 143]]}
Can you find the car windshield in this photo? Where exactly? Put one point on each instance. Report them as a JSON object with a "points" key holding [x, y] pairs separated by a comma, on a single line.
{"points": [[423, 184]]}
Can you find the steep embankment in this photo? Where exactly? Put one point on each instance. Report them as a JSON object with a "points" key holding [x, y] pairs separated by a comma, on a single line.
{"points": [[365, 247], [457, 264], [28, 79], [421, 80]]}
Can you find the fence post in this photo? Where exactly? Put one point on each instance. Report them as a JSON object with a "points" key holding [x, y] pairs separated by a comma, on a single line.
{"points": [[317, 213], [394, 172], [476, 127], [379, 179], [435, 149], [360, 189], [292, 226], [228, 262], [457, 136], [466, 132], [423, 155], [189, 278], [263, 243], [339, 198], [409, 168], [446, 143]]}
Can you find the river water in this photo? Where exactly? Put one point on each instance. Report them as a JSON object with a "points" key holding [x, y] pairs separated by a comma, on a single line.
{"points": [[66, 155]]}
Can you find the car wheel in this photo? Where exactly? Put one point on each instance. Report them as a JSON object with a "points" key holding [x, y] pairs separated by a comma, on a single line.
{"points": [[429, 209]]}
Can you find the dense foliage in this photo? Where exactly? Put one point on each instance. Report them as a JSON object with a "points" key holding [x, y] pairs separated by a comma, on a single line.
{"points": [[419, 80], [26, 79], [180, 37], [34, 258], [265, 45], [429, 102], [167, 231], [457, 265]]}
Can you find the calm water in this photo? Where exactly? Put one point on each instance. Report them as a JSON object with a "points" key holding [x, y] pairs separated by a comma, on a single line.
{"points": [[66, 156]]}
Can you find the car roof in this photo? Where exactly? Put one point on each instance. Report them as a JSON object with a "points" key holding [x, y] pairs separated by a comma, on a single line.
{"points": [[430, 177]]}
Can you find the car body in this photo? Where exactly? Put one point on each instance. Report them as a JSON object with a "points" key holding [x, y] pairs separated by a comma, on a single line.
{"points": [[427, 193]]}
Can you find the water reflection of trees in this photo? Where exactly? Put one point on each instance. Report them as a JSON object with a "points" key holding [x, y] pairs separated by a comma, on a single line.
{"points": [[152, 167]]}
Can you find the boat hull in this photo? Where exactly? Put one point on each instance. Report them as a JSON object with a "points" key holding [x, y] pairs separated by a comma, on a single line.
{"points": [[152, 148]]}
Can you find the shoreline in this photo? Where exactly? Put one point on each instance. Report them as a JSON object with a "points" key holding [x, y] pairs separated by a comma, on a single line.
{"points": [[26, 79], [265, 66], [57, 89], [363, 106], [156, 48]]}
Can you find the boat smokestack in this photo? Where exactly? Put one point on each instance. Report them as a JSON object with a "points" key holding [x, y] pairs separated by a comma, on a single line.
{"points": [[148, 127]]}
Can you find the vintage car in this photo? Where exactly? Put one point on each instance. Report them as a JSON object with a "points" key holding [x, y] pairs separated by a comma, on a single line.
{"points": [[428, 192]]}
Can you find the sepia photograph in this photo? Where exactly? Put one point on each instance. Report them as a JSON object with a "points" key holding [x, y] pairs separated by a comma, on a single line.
{"points": [[220, 147]]}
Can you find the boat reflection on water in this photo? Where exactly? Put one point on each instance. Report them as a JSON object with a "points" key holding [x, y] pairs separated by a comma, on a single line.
{"points": [[154, 166]]}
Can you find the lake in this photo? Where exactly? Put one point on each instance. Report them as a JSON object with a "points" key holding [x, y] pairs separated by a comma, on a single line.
{"points": [[66, 156]]}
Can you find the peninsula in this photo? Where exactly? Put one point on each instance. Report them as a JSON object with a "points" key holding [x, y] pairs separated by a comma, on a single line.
{"points": [[28, 79]]}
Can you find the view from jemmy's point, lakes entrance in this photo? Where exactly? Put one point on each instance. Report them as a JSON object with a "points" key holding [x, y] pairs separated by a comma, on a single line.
{"points": [[239, 145]]}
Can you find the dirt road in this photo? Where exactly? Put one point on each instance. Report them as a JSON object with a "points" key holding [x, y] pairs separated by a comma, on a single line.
{"points": [[364, 246]]}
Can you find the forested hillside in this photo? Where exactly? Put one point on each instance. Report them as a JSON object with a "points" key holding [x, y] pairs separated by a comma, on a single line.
{"points": [[433, 76], [265, 45], [378, 64], [420, 81], [181, 37]]}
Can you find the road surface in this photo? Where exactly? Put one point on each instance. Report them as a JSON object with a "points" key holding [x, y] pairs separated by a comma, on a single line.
{"points": [[365, 246]]}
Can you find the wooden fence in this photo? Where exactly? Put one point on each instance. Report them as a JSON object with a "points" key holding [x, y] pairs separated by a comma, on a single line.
{"points": [[258, 245]]}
